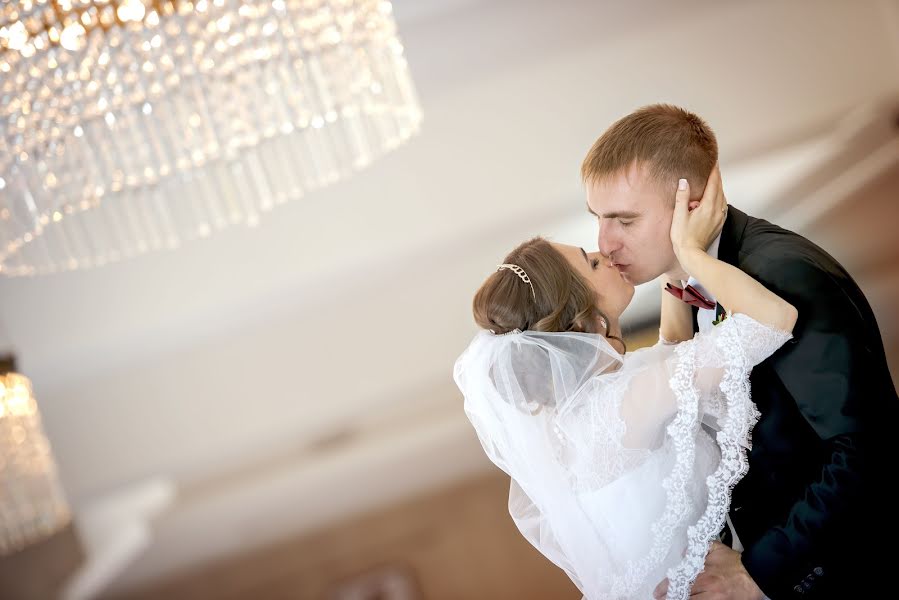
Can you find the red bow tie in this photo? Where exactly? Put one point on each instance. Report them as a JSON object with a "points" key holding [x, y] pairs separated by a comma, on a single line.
{"points": [[690, 295]]}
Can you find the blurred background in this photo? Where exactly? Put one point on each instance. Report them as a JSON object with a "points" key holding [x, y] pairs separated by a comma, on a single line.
{"points": [[270, 412]]}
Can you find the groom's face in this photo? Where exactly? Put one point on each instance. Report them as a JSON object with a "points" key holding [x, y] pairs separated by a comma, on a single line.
{"points": [[634, 217]]}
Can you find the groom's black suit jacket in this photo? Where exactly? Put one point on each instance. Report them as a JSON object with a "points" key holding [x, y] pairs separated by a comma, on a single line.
{"points": [[813, 503]]}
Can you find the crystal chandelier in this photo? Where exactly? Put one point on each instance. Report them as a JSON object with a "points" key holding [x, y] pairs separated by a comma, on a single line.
{"points": [[32, 502], [133, 125]]}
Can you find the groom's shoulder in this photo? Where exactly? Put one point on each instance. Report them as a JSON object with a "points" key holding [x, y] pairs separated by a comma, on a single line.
{"points": [[761, 237], [766, 246]]}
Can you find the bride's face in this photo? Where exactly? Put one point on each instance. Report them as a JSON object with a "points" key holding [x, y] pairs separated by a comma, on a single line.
{"points": [[614, 291]]}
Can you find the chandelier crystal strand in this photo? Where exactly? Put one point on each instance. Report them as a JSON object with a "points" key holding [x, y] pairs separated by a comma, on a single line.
{"points": [[129, 126]]}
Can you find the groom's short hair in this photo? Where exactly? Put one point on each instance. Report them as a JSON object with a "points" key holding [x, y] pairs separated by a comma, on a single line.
{"points": [[669, 141]]}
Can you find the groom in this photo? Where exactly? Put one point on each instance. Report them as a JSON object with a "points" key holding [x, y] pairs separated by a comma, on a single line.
{"points": [[806, 519]]}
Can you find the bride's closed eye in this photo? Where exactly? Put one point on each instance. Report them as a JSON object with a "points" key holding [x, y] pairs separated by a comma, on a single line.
{"points": [[594, 263]]}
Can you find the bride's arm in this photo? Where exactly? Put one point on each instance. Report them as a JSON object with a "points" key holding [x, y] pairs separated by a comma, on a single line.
{"points": [[740, 293], [677, 316]]}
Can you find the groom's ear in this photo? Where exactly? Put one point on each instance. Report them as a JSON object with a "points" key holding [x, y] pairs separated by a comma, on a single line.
{"points": [[692, 204]]}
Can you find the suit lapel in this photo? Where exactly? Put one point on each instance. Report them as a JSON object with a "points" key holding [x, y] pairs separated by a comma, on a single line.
{"points": [[732, 236]]}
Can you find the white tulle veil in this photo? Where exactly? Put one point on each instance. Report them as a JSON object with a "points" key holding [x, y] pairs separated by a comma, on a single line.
{"points": [[621, 466]]}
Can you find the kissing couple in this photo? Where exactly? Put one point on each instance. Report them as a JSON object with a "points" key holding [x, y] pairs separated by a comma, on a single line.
{"points": [[743, 455]]}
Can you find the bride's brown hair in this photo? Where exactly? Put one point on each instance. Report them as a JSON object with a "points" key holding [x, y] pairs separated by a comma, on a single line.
{"points": [[562, 299]]}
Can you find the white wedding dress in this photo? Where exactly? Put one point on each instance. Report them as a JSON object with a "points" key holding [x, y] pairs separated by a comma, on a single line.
{"points": [[621, 466]]}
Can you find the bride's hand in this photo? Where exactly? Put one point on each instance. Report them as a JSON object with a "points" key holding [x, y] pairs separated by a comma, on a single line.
{"points": [[697, 229]]}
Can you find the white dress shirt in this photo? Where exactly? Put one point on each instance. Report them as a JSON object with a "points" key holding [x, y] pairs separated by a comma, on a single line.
{"points": [[706, 317]]}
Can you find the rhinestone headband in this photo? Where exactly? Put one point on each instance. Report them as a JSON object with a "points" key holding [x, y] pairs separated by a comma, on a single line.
{"points": [[521, 274]]}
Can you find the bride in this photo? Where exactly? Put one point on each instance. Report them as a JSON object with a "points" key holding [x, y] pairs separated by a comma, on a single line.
{"points": [[621, 464]]}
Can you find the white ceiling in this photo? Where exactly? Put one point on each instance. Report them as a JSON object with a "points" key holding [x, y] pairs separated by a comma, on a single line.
{"points": [[344, 312]]}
